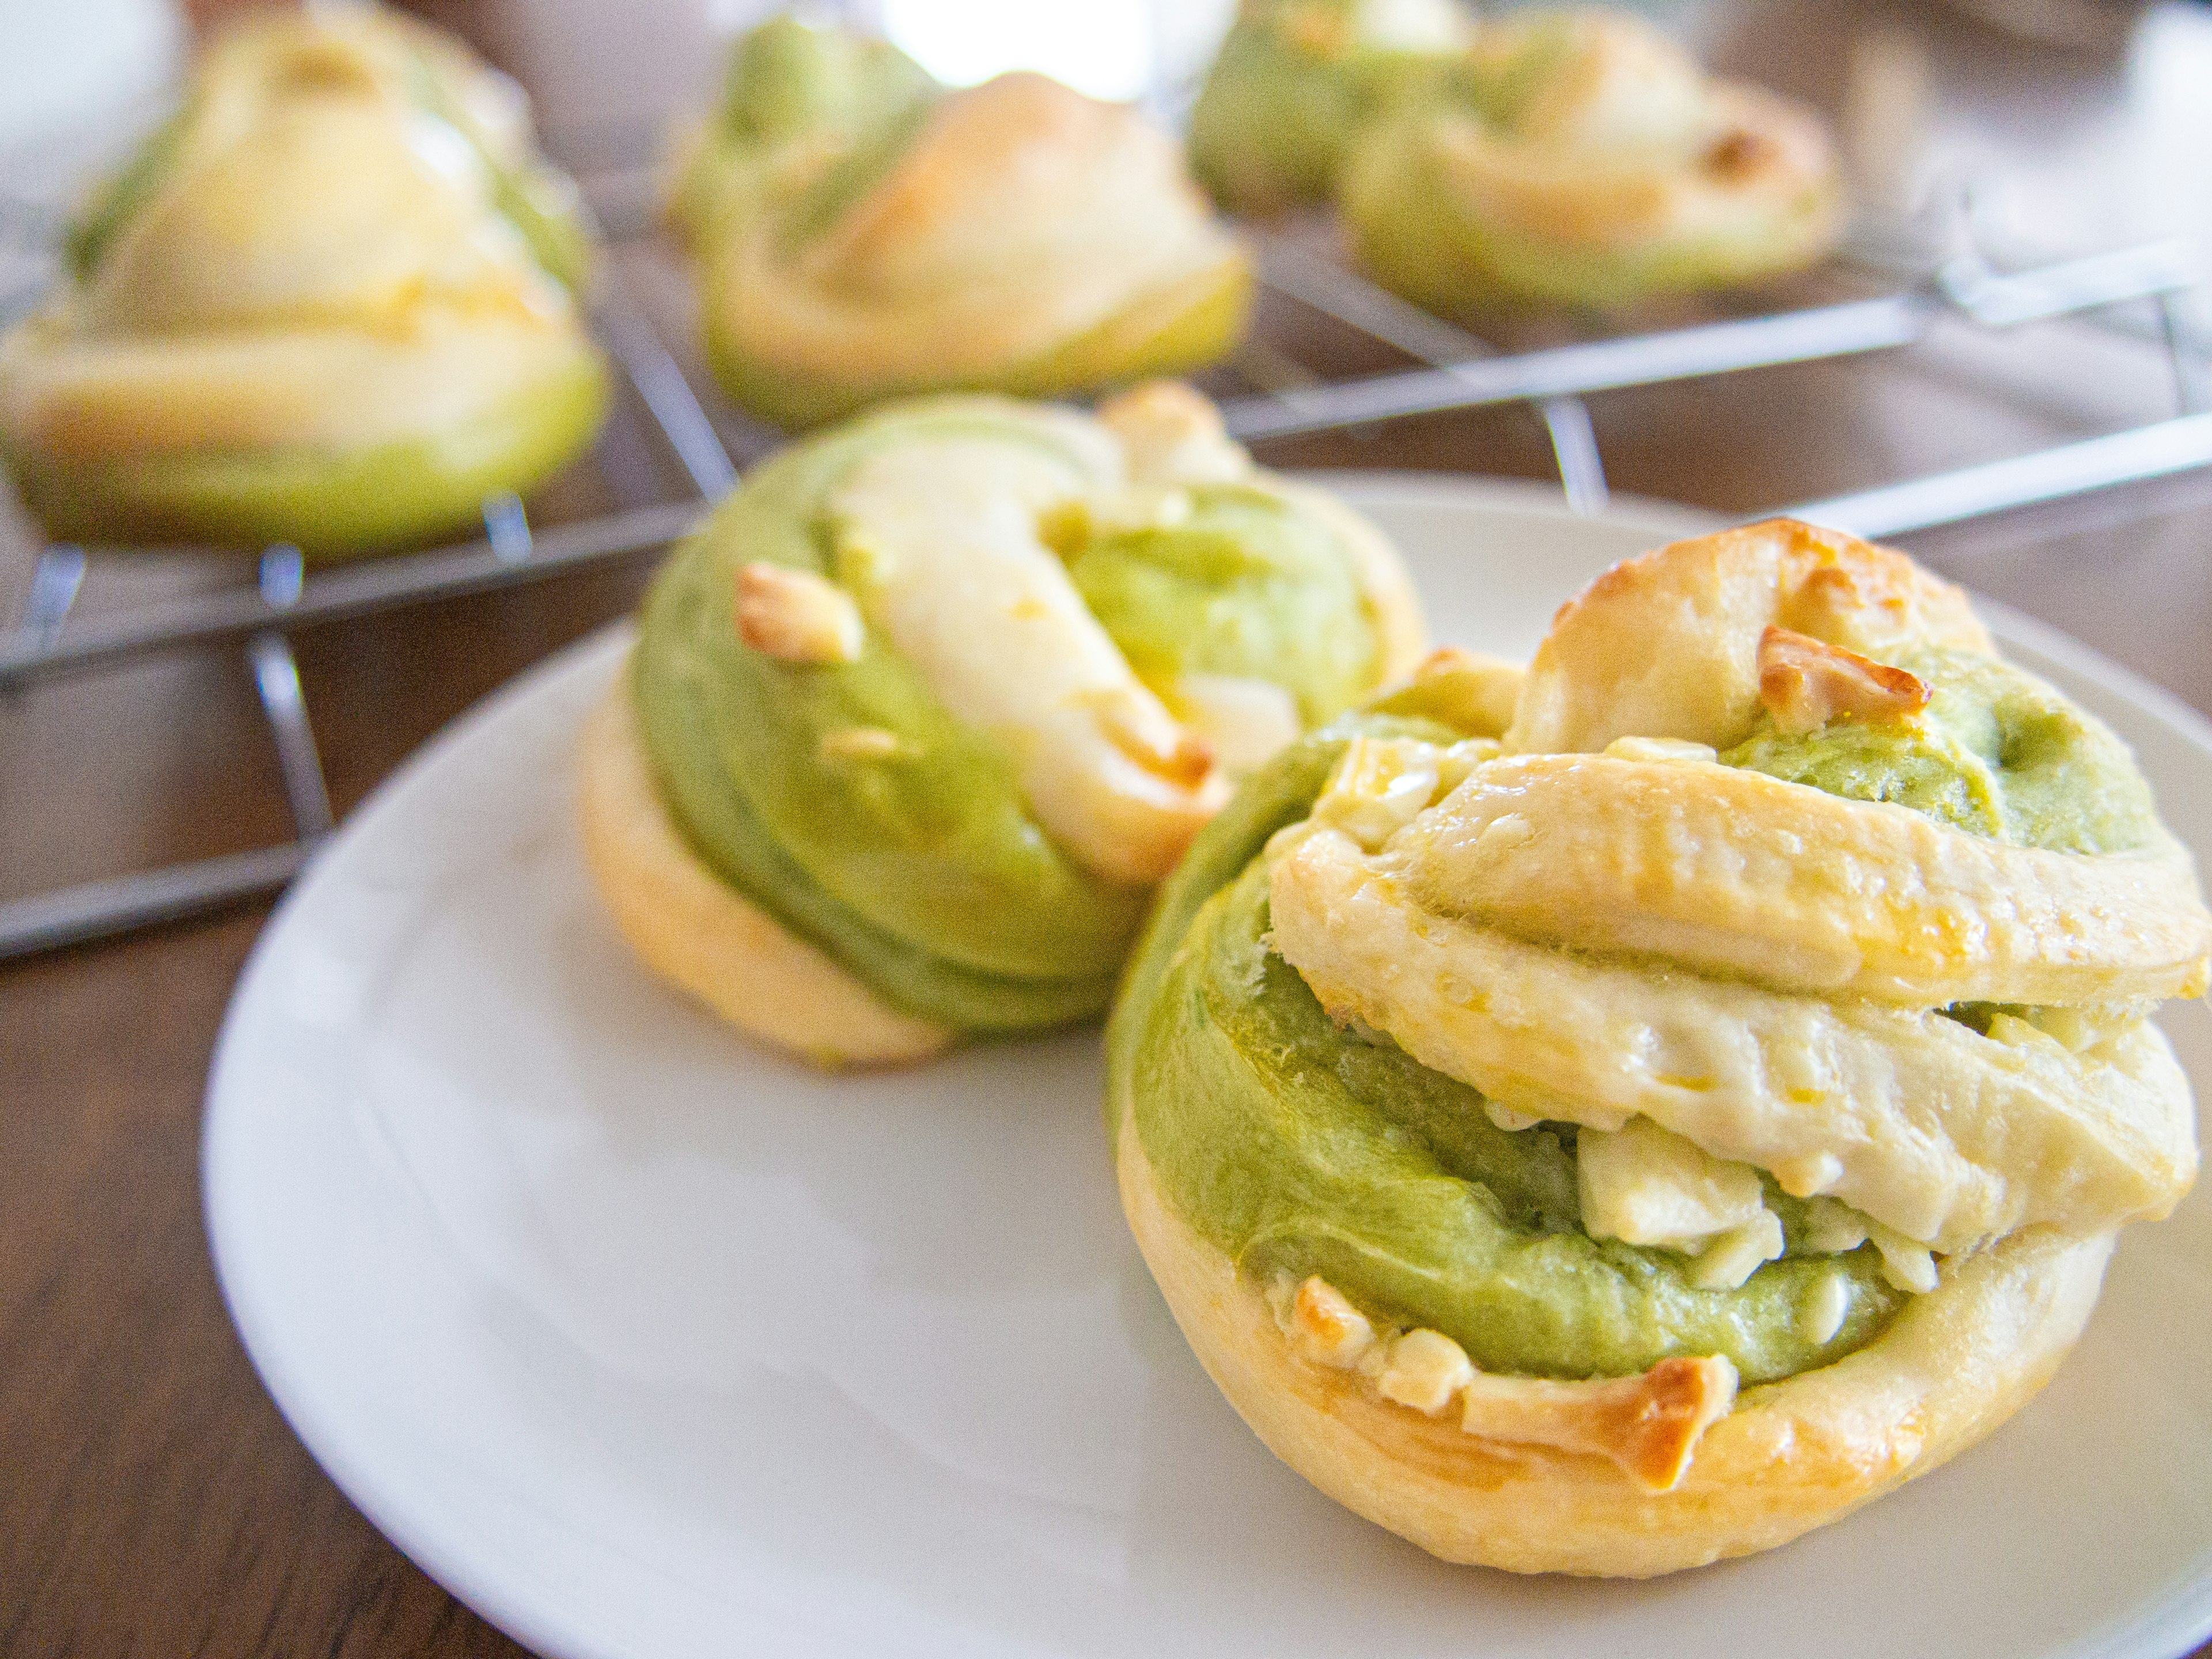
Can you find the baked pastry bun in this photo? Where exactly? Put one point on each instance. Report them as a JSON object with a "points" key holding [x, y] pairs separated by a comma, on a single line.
{"points": [[796, 99], [332, 302], [865, 236], [1296, 80], [1612, 1119], [919, 717], [1582, 158]]}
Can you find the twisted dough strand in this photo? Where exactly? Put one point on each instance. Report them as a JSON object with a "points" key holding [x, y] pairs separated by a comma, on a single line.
{"points": [[1770, 970], [1731, 872]]}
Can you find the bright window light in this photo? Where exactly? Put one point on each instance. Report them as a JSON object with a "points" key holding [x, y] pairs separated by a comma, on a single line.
{"points": [[1107, 48]]}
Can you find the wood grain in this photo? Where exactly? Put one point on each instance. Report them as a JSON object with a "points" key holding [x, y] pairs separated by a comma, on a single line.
{"points": [[151, 1499]]}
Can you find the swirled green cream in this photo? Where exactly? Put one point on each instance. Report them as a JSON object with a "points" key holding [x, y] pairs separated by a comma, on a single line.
{"points": [[1997, 752], [913, 858]]}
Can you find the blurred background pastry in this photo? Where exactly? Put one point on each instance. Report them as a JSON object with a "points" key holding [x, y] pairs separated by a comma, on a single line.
{"points": [[860, 233], [333, 300], [796, 99], [1297, 79], [919, 717], [1584, 158]]}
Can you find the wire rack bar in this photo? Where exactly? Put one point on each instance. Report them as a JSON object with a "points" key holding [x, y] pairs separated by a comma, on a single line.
{"points": [[2148, 452], [1327, 287], [1966, 286], [277, 678], [1860, 326], [351, 590], [55, 582], [667, 395], [102, 909]]}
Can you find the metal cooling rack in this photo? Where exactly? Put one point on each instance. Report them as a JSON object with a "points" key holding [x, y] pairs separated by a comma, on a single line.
{"points": [[1453, 371]]}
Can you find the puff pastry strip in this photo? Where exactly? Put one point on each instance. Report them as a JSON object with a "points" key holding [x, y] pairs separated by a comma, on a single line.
{"points": [[1949, 1137], [1732, 872]]}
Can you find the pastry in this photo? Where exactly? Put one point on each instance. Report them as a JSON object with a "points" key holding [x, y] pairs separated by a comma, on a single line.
{"points": [[1609, 1119], [796, 99], [919, 717], [1582, 158], [1296, 79], [331, 301], [865, 235]]}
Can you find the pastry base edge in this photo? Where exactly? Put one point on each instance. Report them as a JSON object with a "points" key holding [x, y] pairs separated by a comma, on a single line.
{"points": [[693, 930], [1793, 1454]]}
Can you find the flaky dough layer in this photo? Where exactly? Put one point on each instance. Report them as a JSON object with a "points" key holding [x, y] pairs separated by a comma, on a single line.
{"points": [[1667, 644], [694, 929], [1792, 1455]]}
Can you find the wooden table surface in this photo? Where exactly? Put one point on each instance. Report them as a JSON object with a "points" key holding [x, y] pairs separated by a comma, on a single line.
{"points": [[151, 1499]]}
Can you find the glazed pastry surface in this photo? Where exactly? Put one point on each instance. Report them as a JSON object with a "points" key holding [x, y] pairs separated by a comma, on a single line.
{"points": [[332, 302], [1774, 964], [865, 234], [1582, 158], [945, 691]]}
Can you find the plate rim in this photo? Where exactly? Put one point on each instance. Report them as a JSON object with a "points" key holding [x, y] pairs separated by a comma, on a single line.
{"points": [[2174, 1623]]}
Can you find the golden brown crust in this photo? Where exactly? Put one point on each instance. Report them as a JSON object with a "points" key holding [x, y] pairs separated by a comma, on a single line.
{"points": [[1792, 1456], [1737, 873], [1769, 152], [1805, 683], [1022, 216], [697, 932], [1667, 644], [1648, 1425]]}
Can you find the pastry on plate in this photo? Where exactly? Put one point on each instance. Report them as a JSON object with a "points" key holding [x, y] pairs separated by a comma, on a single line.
{"points": [[1296, 79], [1609, 1119], [860, 234], [333, 300], [1582, 158], [919, 716]]}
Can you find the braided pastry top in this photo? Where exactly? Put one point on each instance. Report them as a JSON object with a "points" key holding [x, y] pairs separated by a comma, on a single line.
{"points": [[1780, 859], [1583, 157], [334, 296], [896, 237]]}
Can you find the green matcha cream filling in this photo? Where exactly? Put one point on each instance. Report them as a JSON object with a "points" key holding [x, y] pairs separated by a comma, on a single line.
{"points": [[922, 870], [1297, 1148]]}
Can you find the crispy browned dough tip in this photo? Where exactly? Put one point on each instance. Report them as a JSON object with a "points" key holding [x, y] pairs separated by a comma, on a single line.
{"points": [[1805, 683], [1740, 154], [1648, 1425]]}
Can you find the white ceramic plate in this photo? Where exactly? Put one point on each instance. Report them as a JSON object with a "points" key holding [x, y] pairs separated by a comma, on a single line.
{"points": [[647, 1344]]}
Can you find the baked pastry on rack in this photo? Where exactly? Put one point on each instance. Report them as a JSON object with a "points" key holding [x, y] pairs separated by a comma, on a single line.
{"points": [[1582, 158], [860, 235], [1612, 1120], [796, 99], [917, 720], [334, 300], [1297, 79]]}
